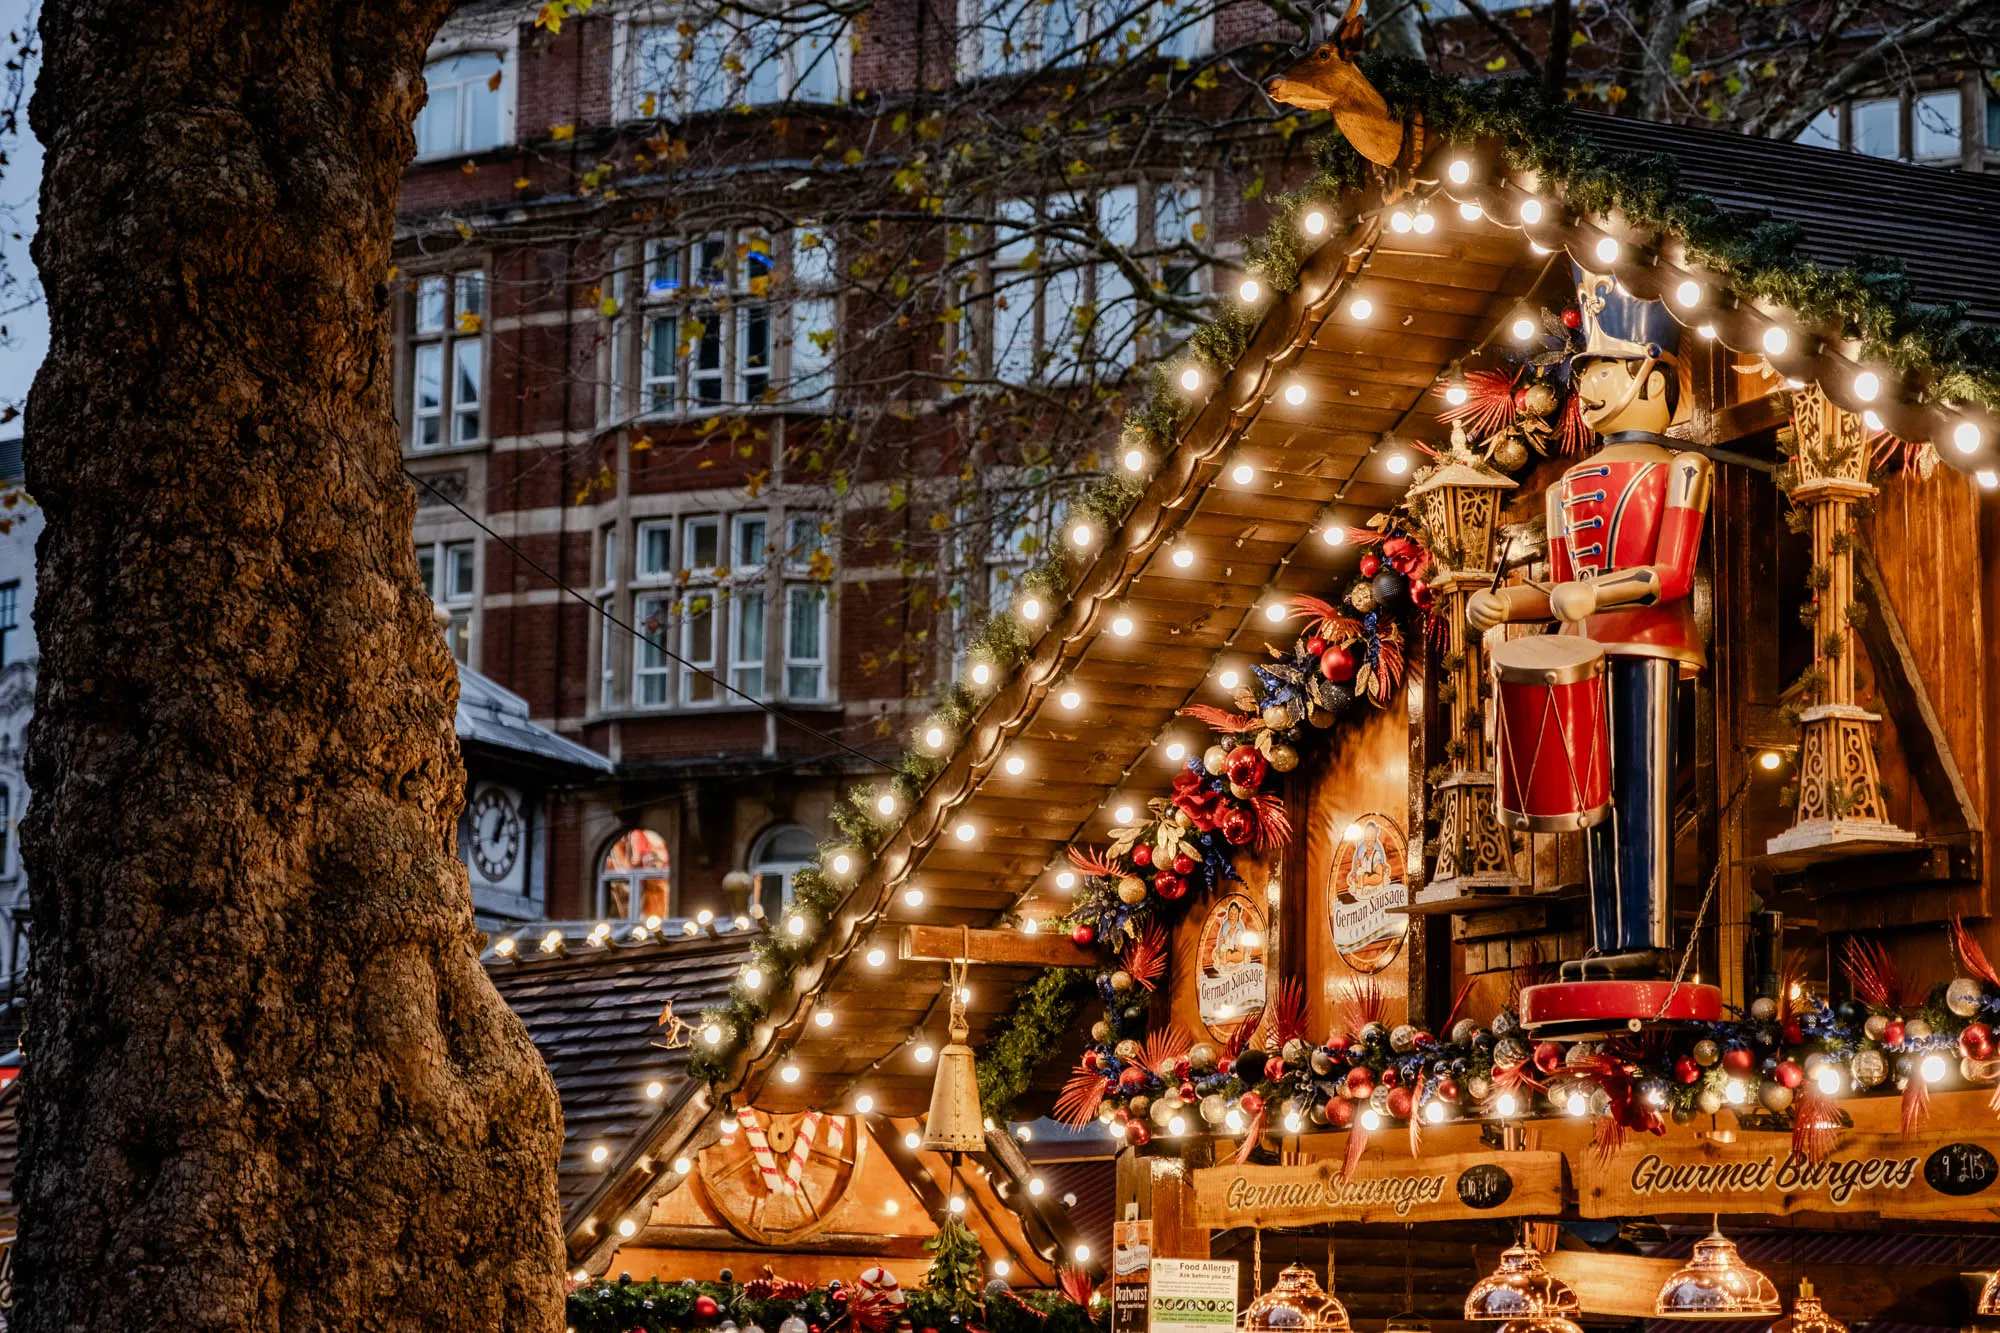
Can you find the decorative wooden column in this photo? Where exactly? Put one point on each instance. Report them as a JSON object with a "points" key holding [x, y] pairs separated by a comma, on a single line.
{"points": [[1840, 799], [1458, 506]]}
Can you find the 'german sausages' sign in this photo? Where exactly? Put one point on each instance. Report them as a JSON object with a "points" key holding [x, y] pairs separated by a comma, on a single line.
{"points": [[1892, 1174], [1395, 1189]]}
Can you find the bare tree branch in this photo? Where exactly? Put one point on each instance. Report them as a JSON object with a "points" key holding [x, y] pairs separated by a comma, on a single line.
{"points": [[1857, 70]]}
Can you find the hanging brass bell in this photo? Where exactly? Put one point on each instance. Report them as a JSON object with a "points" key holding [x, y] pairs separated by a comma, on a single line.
{"points": [[955, 1122]]}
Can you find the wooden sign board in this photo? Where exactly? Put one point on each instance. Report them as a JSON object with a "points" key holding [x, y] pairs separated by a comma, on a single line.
{"points": [[1396, 1189], [1890, 1174]]}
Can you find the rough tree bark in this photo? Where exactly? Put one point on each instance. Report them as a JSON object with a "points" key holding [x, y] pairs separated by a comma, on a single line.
{"points": [[268, 1085]]}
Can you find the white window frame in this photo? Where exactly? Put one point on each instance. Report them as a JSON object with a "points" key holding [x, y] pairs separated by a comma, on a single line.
{"points": [[626, 93], [643, 574], [980, 19], [460, 606], [748, 671], [445, 342], [654, 616], [1956, 96], [821, 595], [508, 48]]}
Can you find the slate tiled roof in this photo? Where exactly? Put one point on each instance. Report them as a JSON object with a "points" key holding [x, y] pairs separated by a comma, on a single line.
{"points": [[594, 1014]]}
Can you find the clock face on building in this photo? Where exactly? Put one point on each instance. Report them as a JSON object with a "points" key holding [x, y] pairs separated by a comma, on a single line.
{"points": [[496, 834]]}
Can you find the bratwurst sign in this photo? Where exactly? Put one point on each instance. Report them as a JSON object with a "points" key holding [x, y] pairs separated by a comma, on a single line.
{"points": [[1759, 1173]]}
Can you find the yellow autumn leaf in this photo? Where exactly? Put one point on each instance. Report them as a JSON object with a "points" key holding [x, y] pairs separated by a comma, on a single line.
{"points": [[562, 132], [468, 322], [521, 182], [608, 306]]}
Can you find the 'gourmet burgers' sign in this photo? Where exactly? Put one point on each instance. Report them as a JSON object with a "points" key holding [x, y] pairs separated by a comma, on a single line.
{"points": [[1925, 1173]]}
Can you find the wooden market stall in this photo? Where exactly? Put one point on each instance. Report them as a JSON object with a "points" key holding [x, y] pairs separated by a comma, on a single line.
{"points": [[1376, 916]]}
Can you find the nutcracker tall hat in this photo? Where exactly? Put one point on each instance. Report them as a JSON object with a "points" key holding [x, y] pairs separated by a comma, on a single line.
{"points": [[1618, 326]]}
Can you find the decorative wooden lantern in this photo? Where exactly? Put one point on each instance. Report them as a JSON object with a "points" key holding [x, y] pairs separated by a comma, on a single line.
{"points": [[1840, 800], [1458, 506]]}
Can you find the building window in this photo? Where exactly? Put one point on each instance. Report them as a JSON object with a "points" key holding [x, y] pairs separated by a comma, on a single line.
{"points": [[633, 882], [6, 830], [805, 642], [10, 618], [611, 638], [607, 556], [448, 572], [1875, 127], [1018, 36], [447, 313], [1937, 126], [1823, 130], [778, 854], [652, 669], [465, 112], [706, 340], [735, 60]]}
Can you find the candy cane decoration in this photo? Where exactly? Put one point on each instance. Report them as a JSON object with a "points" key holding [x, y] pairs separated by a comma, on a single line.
{"points": [[760, 1151], [802, 1143]]}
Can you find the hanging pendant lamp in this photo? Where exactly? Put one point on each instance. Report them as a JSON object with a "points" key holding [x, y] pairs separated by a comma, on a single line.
{"points": [[1716, 1284], [1520, 1288], [955, 1123], [1296, 1304], [1808, 1317], [1544, 1323], [1989, 1295]]}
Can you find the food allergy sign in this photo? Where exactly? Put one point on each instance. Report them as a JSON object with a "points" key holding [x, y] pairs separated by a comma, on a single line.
{"points": [[1192, 1296]]}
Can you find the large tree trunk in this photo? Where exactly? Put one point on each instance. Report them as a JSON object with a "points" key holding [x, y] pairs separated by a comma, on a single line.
{"points": [[268, 1085]]}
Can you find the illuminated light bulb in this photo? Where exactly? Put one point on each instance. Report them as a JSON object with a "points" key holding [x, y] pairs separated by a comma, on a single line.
{"points": [[1135, 461], [864, 1103], [1688, 293], [1293, 1123], [1015, 765], [599, 1154], [1932, 1068], [1459, 171], [1001, 1268], [1233, 1121], [1401, 221], [1080, 535], [934, 738], [503, 947], [1505, 1104], [652, 923], [956, 1203], [1242, 474], [1607, 250], [753, 979], [1471, 212], [1966, 437], [655, 1090], [1190, 379], [1295, 394], [913, 1140], [1065, 879], [1030, 926], [824, 1018], [1434, 1112], [1872, 419], [1070, 699], [743, 922], [790, 1073], [1122, 626], [1828, 1078], [842, 863], [728, 1125], [1371, 1120], [1769, 761], [1426, 224], [1531, 211], [1706, 331], [1082, 1253], [1183, 556], [891, 1207], [1315, 222], [885, 804], [923, 1054], [877, 957], [1176, 1124], [1334, 535], [1577, 1104], [1522, 328], [1397, 464], [1123, 814], [1734, 1092], [582, 1275], [1035, 1185], [687, 928], [1275, 613], [1024, 1132], [704, 916], [1866, 385], [982, 673], [795, 925], [1776, 340], [1456, 395], [1987, 478], [1227, 680], [913, 897], [1176, 751], [627, 1227], [639, 933], [1536, 247], [1250, 290], [1360, 308], [712, 1034], [1031, 609]]}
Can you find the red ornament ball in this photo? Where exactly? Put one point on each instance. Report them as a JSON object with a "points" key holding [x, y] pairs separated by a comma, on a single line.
{"points": [[1548, 1057], [1187, 1092], [1083, 934], [705, 1307], [1371, 564], [1572, 318], [1420, 594], [1789, 1074], [1274, 1068], [1315, 645], [1400, 1103], [1169, 885], [1338, 664], [1794, 1034], [1142, 855], [1390, 1078], [1447, 1089], [1237, 827], [1892, 1033], [1182, 1067], [1246, 766], [1183, 865], [1337, 1043], [1138, 1133], [1738, 1060], [1339, 1114], [1686, 1070], [1252, 1103], [1976, 1041], [1131, 1076], [1090, 1061], [1360, 1082]]}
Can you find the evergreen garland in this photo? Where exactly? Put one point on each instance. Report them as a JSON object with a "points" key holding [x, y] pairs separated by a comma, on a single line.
{"points": [[657, 1306], [1034, 1026]]}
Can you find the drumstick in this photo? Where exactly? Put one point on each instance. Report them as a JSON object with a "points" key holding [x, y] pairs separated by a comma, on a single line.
{"points": [[1500, 565]]}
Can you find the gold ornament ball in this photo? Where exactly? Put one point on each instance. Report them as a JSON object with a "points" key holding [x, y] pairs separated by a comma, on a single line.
{"points": [[1165, 1069], [1278, 716], [1775, 1096], [1509, 454], [1763, 1008], [1131, 890], [1137, 1106], [1706, 1053], [1362, 598], [1121, 981], [1875, 1026], [1126, 1050], [1320, 718], [1241, 793], [1916, 1030], [1708, 1101], [1869, 1068], [1539, 399], [1283, 757], [1962, 997], [1100, 1031], [1202, 1057], [1215, 759]]}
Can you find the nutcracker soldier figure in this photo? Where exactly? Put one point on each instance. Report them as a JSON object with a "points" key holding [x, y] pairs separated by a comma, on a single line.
{"points": [[1624, 532]]}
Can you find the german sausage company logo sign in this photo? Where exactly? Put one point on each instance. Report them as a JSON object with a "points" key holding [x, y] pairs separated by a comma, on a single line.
{"points": [[1364, 887], [1230, 982]]}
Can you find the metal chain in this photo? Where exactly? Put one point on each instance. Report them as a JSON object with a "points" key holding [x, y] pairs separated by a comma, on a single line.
{"points": [[1734, 811]]}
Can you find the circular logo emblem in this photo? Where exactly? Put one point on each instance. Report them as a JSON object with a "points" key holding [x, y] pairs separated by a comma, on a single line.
{"points": [[1367, 881], [1960, 1169], [1486, 1185], [1229, 989]]}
